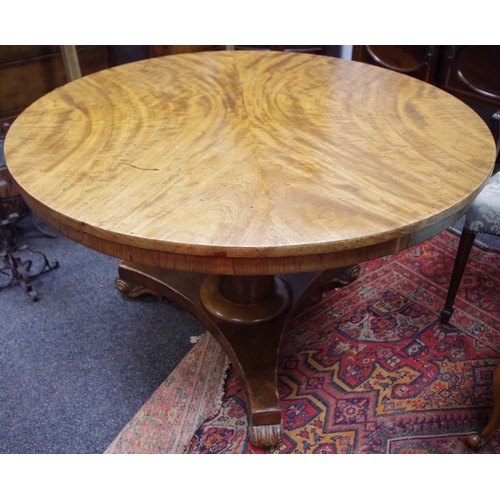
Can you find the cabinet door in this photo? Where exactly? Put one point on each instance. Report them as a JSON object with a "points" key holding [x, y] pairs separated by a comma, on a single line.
{"points": [[472, 73], [415, 60]]}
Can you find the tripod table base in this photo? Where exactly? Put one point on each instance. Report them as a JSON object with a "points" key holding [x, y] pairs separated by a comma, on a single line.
{"points": [[247, 315]]}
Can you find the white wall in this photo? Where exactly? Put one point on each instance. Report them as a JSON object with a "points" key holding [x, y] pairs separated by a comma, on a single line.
{"points": [[346, 51]]}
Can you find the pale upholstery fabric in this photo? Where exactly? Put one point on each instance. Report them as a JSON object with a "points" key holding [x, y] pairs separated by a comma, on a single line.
{"points": [[484, 214]]}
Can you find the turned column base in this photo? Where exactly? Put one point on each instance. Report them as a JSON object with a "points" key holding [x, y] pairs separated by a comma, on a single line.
{"points": [[222, 303]]}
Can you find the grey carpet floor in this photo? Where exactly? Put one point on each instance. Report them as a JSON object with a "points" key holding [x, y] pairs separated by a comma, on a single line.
{"points": [[77, 364]]}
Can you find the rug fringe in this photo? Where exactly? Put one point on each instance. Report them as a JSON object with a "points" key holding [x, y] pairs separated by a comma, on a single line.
{"points": [[190, 395]]}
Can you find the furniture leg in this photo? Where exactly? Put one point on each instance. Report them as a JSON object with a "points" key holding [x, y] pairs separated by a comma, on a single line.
{"points": [[247, 315], [478, 441], [463, 252]]}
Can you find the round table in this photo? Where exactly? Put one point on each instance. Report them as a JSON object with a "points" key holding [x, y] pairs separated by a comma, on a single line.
{"points": [[236, 183]]}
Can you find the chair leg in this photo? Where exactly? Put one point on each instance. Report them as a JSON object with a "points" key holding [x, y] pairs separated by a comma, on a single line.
{"points": [[478, 441], [463, 252]]}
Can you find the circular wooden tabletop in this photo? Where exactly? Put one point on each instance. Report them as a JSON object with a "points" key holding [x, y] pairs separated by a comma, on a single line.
{"points": [[249, 162]]}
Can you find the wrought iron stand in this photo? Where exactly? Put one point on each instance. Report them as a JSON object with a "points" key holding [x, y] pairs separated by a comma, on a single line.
{"points": [[13, 266]]}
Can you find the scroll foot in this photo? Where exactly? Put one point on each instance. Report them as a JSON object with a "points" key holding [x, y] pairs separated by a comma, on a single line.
{"points": [[345, 277], [131, 290], [265, 436]]}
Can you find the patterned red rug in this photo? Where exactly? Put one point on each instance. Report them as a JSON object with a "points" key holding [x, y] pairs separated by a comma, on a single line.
{"points": [[365, 369], [190, 394], [370, 369]]}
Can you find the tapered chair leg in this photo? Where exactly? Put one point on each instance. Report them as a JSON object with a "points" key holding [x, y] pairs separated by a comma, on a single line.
{"points": [[463, 252]]}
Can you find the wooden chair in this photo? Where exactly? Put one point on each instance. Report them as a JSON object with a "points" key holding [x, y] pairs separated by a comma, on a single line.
{"points": [[483, 216]]}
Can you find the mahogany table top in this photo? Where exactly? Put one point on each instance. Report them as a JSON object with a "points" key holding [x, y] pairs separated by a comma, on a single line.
{"points": [[243, 162]]}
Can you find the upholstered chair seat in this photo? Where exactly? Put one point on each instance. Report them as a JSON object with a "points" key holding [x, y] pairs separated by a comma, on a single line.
{"points": [[484, 214]]}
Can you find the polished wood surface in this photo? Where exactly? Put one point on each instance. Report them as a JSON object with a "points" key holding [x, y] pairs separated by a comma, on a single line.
{"points": [[243, 162]]}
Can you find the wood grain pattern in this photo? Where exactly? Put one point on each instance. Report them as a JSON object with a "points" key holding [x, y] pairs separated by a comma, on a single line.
{"points": [[249, 162]]}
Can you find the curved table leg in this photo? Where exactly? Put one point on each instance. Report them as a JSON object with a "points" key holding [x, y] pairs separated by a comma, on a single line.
{"points": [[247, 315], [253, 350], [479, 440]]}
